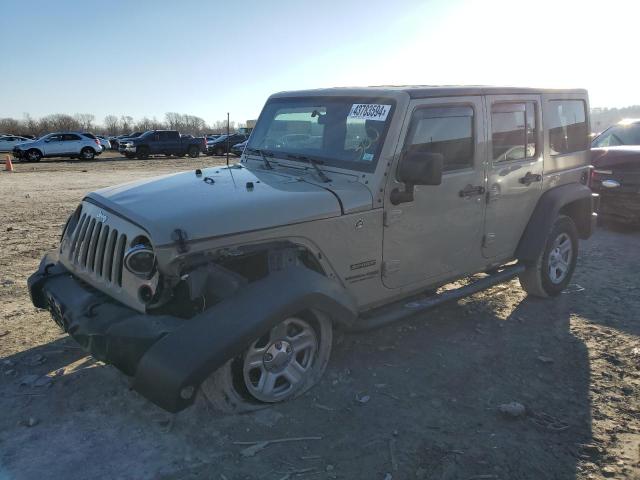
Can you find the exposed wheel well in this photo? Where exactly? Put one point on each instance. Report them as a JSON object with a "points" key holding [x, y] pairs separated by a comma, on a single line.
{"points": [[580, 212], [205, 280]]}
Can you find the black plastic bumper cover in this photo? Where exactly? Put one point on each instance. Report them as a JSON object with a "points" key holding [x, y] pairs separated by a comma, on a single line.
{"points": [[167, 356]]}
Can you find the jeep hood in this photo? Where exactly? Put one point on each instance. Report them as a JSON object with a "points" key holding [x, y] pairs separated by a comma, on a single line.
{"points": [[225, 201]]}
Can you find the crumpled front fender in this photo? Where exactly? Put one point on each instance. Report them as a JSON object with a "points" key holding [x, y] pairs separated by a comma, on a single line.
{"points": [[167, 356]]}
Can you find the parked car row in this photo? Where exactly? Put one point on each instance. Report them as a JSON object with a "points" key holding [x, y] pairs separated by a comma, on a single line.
{"points": [[221, 144], [7, 142], [162, 142], [60, 144]]}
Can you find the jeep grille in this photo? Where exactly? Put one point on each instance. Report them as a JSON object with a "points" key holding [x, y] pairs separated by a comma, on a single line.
{"points": [[98, 249]]}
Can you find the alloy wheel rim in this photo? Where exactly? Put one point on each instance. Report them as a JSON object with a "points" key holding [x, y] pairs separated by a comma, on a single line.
{"points": [[560, 258], [277, 365]]}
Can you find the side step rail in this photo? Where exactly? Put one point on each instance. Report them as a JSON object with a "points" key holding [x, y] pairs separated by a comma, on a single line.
{"points": [[407, 308]]}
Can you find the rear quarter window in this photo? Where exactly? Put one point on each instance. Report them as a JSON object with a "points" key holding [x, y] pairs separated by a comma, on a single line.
{"points": [[567, 124]]}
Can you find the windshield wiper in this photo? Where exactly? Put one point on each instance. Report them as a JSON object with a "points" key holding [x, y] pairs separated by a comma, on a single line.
{"points": [[313, 162], [263, 154]]}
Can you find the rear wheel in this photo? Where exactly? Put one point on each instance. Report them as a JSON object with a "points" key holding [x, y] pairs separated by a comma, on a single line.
{"points": [[194, 151], [552, 271], [87, 153], [281, 365]]}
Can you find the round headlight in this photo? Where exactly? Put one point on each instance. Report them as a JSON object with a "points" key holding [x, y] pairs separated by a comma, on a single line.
{"points": [[140, 260]]}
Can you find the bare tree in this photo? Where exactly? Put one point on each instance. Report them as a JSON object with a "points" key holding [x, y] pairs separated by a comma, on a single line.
{"points": [[125, 123], [85, 120], [111, 124], [9, 125], [61, 122]]}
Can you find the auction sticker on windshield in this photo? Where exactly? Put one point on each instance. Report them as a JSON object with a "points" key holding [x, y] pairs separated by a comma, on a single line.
{"points": [[369, 111]]}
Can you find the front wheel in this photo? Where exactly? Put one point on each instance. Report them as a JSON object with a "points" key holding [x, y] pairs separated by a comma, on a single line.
{"points": [[219, 151], [552, 271], [33, 155], [281, 365], [142, 153]]}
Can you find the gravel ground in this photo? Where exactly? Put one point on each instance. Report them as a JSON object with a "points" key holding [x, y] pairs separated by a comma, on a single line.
{"points": [[417, 400]]}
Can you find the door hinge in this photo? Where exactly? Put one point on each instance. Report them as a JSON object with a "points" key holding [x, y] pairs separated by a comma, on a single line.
{"points": [[391, 216], [390, 267], [488, 239]]}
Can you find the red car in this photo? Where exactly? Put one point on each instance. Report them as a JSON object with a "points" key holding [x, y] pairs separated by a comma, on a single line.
{"points": [[616, 177]]}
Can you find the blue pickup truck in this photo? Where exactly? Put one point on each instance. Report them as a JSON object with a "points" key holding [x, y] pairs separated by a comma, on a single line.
{"points": [[162, 142]]}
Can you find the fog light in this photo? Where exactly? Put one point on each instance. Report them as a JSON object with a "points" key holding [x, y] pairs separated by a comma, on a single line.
{"points": [[145, 294]]}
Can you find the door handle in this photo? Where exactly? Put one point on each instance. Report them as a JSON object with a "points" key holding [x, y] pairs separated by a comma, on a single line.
{"points": [[471, 190], [529, 178]]}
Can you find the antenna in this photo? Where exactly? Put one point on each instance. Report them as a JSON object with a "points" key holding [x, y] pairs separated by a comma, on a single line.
{"points": [[227, 139]]}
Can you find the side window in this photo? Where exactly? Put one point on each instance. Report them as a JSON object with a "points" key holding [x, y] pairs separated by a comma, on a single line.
{"points": [[70, 137], [567, 123], [513, 131], [445, 130]]}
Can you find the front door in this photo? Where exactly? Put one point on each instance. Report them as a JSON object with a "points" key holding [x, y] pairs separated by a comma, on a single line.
{"points": [[438, 235], [514, 173], [53, 145]]}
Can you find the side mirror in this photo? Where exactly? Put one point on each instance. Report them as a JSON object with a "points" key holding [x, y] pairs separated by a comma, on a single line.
{"points": [[417, 168], [47, 140]]}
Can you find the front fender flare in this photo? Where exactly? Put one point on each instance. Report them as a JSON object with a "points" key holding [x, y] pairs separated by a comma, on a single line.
{"points": [[175, 365]]}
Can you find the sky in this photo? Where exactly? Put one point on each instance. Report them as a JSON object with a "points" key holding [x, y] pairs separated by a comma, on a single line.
{"points": [[206, 58]]}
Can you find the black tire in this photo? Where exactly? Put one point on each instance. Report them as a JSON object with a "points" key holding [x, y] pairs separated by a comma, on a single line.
{"points": [[180, 155], [142, 153], [219, 151], [87, 153], [167, 154], [130, 155], [33, 155], [194, 152], [227, 391], [538, 279]]}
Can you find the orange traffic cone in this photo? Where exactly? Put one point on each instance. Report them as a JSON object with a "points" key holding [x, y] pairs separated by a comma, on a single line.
{"points": [[8, 166]]}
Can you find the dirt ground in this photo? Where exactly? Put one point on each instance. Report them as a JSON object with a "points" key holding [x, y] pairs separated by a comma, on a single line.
{"points": [[417, 400]]}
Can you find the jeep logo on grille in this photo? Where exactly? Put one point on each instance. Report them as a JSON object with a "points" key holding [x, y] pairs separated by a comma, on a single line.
{"points": [[101, 217]]}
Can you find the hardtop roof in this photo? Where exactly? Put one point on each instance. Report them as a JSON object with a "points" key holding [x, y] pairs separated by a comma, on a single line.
{"points": [[425, 91]]}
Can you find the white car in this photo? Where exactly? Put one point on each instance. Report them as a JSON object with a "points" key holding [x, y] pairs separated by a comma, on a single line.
{"points": [[59, 144], [7, 142], [104, 142]]}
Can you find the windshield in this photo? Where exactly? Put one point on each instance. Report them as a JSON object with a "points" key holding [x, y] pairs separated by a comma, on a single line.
{"points": [[619, 135], [344, 132]]}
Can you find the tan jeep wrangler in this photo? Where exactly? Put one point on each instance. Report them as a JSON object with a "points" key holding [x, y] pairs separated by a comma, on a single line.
{"points": [[349, 207]]}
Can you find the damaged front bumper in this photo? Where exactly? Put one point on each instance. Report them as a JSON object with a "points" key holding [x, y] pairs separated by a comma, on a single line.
{"points": [[169, 357], [108, 330]]}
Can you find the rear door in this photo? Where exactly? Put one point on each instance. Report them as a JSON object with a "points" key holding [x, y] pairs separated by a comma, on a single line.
{"points": [[514, 171], [71, 143], [438, 234], [172, 142], [155, 143]]}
